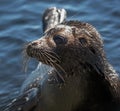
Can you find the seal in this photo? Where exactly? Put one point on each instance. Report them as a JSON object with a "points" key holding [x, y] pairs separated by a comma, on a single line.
{"points": [[87, 81], [80, 77]]}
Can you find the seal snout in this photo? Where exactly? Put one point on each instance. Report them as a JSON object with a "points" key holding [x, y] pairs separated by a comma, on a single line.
{"points": [[31, 48], [34, 43]]}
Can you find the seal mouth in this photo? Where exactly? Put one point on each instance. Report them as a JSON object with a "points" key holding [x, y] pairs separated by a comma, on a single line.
{"points": [[42, 54]]}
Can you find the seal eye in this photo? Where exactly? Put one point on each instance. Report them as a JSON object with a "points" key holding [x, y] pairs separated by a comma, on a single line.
{"points": [[58, 39]]}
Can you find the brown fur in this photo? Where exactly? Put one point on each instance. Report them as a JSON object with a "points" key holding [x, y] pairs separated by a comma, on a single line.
{"points": [[83, 56]]}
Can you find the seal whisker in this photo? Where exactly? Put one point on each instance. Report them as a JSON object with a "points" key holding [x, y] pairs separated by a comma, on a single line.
{"points": [[25, 60], [55, 71], [25, 64], [58, 72], [46, 60], [41, 56], [52, 57], [51, 52], [58, 66], [53, 64]]}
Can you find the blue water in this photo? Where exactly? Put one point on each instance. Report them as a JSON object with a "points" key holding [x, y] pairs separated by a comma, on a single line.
{"points": [[20, 22]]}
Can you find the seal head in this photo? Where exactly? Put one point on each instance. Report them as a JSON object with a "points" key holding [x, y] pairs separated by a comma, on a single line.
{"points": [[64, 44]]}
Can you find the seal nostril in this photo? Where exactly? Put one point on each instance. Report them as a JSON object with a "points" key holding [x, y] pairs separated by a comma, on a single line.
{"points": [[34, 43]]}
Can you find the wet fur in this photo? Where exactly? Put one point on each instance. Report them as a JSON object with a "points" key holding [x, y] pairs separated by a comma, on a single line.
{"points": [[82, 56]]}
